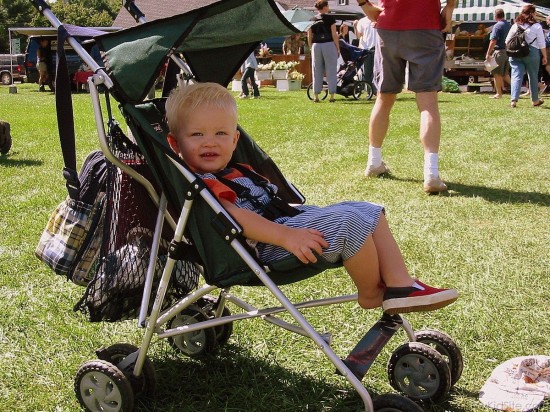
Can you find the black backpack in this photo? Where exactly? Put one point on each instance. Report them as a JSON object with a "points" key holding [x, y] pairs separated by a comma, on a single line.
{"points": [[517, 46], [321, 33]]}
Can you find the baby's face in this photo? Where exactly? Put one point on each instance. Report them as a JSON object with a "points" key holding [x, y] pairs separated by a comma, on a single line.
{"points": [[207, 139]]}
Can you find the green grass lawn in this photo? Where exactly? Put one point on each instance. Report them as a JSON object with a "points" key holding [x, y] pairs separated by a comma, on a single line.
{"points": [[488, 237]]}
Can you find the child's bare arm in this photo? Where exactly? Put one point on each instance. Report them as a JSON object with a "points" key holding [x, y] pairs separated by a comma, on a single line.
{"points": [[301, 242]]}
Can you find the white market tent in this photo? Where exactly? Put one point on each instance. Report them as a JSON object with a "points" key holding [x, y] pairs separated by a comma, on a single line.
{"points": [[479, 11]]}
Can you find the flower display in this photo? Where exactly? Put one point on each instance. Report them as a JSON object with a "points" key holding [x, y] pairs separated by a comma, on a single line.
{"points": [[296, 75], [264, 51], [267, 66], [285, 65]]}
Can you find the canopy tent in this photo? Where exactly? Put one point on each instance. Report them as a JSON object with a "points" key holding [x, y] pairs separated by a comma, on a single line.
{"points": [[480, 11], [134, 56]]}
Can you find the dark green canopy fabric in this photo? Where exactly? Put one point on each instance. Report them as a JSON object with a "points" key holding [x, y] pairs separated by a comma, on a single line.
{"points": [[214, 41]]}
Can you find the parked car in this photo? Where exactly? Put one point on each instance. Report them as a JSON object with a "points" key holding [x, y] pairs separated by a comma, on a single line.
{"points": [[12, 68]]}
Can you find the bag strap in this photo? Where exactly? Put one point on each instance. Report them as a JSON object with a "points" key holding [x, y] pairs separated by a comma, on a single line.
{"points": [[65, 118]]}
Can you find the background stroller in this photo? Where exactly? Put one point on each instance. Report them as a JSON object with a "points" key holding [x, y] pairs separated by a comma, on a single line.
{"points": [[350, 77], [194, 322]]}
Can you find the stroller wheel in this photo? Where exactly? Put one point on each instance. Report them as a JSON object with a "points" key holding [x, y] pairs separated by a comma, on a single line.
{"points": [[324, 92], [192, 344], [5, 137], [362, 90], [394, 403], [419, 372], [101, 386], [446, 347], [145, 383], [223, 332]]}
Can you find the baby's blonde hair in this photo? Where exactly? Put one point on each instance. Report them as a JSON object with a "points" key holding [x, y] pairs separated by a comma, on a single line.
{"points": [[186, 99]]}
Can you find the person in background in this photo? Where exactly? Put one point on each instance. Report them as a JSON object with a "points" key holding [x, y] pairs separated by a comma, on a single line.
{"points": [[343, 33], [409, 36], [534, 36], [364, 28], [44, 60], [248, 69], [497, 50], [323, 42], [293, 44]]}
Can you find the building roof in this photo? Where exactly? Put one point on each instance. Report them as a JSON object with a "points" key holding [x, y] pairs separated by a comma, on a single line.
{"points": [[157, 9]]}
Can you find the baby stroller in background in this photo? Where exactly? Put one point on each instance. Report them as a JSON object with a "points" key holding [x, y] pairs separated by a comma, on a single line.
{"points": [[201, 232], [350, 76]]}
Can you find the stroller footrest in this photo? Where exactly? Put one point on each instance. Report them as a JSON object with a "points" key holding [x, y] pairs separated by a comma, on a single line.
{"points": [[367, 349]]}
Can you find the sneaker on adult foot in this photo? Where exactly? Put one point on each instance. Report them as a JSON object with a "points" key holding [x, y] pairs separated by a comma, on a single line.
{"points": [[416, 298], [434, 185], [375, 171]]}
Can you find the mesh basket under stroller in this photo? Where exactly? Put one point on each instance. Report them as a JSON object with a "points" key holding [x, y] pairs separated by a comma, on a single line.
{"points": [[115, 291]]}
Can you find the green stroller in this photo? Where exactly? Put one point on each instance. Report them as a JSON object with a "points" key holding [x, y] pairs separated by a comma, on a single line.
{"points": [[150, 268]]}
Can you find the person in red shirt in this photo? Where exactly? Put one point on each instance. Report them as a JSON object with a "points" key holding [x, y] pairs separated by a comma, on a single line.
{"points": [[409, 40]]}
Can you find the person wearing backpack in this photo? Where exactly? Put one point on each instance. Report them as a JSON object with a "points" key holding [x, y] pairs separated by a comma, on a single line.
{"points": [[533, 35], [324, 44]]}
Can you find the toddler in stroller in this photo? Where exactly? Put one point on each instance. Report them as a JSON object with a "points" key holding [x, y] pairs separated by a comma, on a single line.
{"points": [[202, 120], [350, 78]]}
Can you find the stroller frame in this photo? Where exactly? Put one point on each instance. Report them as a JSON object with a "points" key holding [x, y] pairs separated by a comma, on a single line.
{"points": [[125, 365]]}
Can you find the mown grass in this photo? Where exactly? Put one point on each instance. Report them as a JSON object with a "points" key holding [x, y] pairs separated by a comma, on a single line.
{"points": [[488, 237]]}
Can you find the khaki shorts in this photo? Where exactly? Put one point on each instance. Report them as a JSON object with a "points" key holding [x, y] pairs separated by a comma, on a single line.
{"points": [[42, 67], [423, 50], [502, 60]]}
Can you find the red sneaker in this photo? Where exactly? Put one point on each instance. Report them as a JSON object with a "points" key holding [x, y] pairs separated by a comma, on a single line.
{"points": [[416, 298]]}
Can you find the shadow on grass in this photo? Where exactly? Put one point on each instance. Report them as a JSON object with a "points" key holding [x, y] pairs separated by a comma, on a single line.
{"points": [[7, 162], [490, 194], [236, 380]]}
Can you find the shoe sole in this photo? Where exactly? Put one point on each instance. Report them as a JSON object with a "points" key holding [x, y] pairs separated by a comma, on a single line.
{"points": [[419, 303]]}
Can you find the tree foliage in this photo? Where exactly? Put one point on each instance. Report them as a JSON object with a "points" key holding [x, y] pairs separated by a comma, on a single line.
{"points": [[89, 13]]}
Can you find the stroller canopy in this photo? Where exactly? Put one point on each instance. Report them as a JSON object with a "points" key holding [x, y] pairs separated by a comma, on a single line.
{"points": [[133, 57]]}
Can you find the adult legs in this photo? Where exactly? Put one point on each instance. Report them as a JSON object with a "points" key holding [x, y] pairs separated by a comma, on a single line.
{"points": [[244, 80], [517, 68], [499, 84], [318, 66], [532, 64], [330, 57], [253, 81]]}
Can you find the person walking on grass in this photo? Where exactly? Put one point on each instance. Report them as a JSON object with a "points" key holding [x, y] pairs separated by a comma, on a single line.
{"points": [[409, 36], [497, 50]]}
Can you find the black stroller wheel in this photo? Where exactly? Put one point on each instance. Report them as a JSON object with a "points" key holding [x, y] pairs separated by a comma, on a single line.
{"points": [[145, 383], [446, 347], [192, 344], [101, 386], [394, 403], [223, 332], [419, 372], [324, 92], [362, 90]]}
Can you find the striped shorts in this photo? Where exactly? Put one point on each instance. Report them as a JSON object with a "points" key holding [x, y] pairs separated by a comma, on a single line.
{"points": [[345, 226]]}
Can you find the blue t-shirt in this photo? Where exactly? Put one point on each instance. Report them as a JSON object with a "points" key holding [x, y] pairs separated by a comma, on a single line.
{"points": [[499, 33]]}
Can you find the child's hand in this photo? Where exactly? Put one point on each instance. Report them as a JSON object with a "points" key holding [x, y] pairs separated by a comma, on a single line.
{"points": [[303, 242]]}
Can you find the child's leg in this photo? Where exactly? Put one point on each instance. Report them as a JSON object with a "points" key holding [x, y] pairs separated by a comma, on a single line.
{"points": [[379, 261]]}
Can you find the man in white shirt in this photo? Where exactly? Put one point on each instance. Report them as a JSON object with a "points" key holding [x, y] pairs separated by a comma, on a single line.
{"points": [[366, 33]]}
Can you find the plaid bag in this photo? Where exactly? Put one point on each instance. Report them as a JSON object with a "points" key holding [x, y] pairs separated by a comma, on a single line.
{"points": [[71, 241]]}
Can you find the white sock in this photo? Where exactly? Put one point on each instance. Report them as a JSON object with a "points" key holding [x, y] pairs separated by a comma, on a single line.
{"points": [[375, 156], [431, 165]]}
